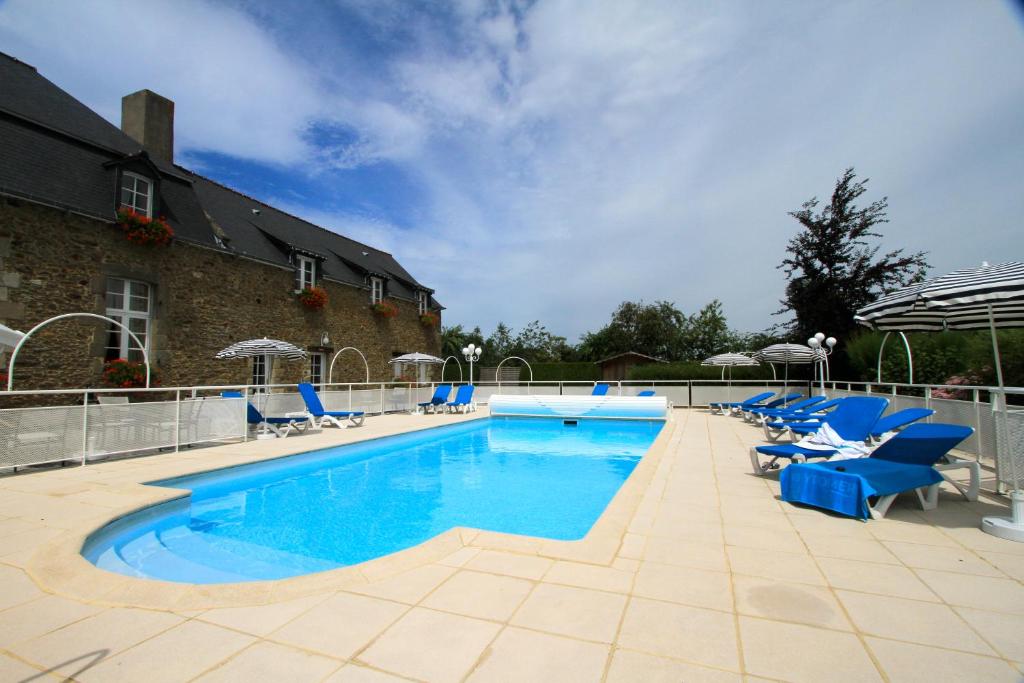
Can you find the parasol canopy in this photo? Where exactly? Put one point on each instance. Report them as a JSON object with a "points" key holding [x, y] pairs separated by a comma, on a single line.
{"points": [[416, 357], [262, 347]]}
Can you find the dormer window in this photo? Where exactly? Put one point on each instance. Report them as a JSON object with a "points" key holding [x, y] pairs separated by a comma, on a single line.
{"points": [[306, 272], [376, 289], [137, 193], [421, 299]]}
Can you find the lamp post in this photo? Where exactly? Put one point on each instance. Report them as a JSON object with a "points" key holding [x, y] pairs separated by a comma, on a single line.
{"points": [[471, 353], [819, 342]]}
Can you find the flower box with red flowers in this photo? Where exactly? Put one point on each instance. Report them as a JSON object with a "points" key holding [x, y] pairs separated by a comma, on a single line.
{"points": [[384, 309], [140, 229], [430, 319], [313, 298], [125, 374]]}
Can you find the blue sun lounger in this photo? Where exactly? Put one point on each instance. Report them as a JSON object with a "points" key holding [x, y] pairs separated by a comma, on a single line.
{"points": [[852, 419], [646, 392], [440, 397], [799, 407], [319, 415], [463, 399], [599, 390], [748, 411], [903, 463], [722, 406], [889, 423], [778, 423], [279, 426]]}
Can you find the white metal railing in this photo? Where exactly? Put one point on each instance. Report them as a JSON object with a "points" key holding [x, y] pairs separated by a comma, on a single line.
{"points": [[81, 430]]}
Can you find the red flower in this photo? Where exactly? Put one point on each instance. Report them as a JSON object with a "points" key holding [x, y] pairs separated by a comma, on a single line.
{"points": [[141, 229]]}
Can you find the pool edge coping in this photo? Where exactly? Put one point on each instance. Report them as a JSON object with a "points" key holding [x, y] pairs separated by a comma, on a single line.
{"points": [[58, 566]]}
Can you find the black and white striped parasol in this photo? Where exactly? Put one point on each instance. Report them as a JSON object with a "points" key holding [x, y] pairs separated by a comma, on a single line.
{"points": [[729, 360], [960, 300], [262, 347], [797, 354]]}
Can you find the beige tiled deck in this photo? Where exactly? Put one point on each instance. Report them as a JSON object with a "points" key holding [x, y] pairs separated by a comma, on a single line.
{"points": [[695, 573]]}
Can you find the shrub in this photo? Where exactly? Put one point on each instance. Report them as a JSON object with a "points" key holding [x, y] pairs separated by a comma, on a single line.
{"points": [[430, 319], [693, 370], [563, 372]]}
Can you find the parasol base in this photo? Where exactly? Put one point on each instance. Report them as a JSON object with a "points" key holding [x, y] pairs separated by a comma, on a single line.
{"points": [[1010, 528]]}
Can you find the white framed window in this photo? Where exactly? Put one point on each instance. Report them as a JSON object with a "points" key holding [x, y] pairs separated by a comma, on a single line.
{"points": [[137, 193], [129, 302], [421, 299], [307, 272], [316, 369], [376, 289], [261, 366]]}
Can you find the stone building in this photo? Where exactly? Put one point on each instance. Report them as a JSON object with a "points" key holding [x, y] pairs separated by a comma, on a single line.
{"points": [[232, 271]]}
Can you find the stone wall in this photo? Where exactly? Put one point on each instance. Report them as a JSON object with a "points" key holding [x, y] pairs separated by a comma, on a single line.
{"points": [[52, 262]]}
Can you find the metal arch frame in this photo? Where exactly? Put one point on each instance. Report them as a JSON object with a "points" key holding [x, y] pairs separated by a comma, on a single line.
{"points": [[910, 356], [446, 363], [330, 370], [497, 375], [14, 354]]}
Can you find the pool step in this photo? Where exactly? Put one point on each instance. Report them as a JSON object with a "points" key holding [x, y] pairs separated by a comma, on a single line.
{"points": [[148, 556]]}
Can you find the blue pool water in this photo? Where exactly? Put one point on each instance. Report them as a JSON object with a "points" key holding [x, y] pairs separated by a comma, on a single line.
{"points": [[340, 506]]}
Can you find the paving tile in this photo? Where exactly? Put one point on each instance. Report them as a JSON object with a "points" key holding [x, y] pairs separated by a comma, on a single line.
{"points": [[576, 612], [271, 662], [1012, 565], [13, 670], [694, 634], [431, 645], [794, 567], [700, 532], [409, 587], [921, 533], [590, 576], [628, 667], [108, 632], [16, 587], [261, 620], [520, 655], [848, 548], [632, 546], [510, 564], [983, 592], [340, 626], [180, 654], [799, 602], [686, 553], [798, 653], [33, 619], [460, 557], [475, 594], [765, 539], [1003, 631], [908, 663], [927, 623], [685, 585], [353, 673], [948, 559], [872, 577]]}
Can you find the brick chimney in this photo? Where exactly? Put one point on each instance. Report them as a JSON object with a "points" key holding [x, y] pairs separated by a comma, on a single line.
{"points": [[149, 119]]}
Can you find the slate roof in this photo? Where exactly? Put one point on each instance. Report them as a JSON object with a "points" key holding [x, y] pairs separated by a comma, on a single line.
{"points": [[58, 152]]}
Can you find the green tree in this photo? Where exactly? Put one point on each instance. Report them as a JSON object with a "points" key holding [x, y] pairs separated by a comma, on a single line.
{"points": [[707, 333], [652, 329], [832, 269]]}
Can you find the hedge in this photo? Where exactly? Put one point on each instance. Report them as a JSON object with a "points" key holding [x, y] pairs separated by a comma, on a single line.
{"points": [[679, 371]]}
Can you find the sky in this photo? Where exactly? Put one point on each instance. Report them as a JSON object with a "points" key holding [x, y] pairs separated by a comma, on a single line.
{"points": [[548, 160]]}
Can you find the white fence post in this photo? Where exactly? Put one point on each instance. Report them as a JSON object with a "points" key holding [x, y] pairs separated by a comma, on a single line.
{"points": [[381, 399], [245, 414], [85, 427], [177, 420]]}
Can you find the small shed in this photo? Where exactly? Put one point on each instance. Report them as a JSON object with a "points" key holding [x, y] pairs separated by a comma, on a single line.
{"points": [[616, 368]]}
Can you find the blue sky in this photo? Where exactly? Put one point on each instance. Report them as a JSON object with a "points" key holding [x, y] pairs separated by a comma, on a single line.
{"points": [[548, 160]]}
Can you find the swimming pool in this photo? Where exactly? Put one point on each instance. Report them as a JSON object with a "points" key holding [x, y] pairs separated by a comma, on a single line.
{"points": [[340, 506]]}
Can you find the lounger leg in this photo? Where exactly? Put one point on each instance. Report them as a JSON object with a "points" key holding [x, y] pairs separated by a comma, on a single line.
{"points": [[759, 468], [971, 491], [881, 507], [770, 433], [357, 420], [930, 498]]}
